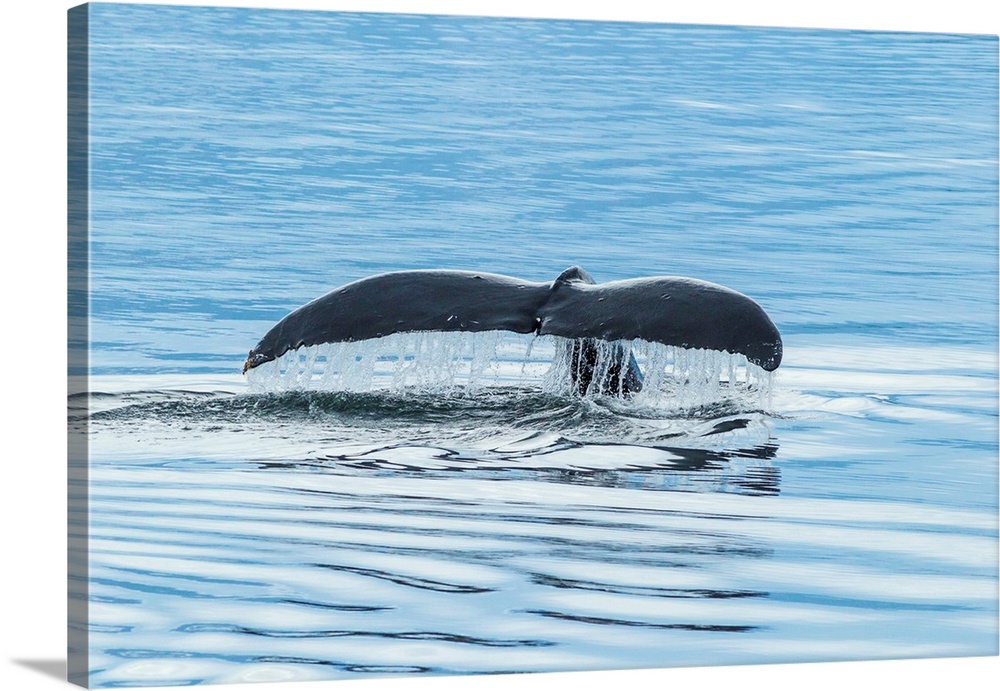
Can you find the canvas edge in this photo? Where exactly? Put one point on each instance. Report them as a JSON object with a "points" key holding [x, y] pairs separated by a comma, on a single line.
{"points": [[78, 342]]}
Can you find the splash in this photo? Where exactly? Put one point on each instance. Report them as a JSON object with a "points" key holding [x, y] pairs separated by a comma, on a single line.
{"points": [[459, 363]]}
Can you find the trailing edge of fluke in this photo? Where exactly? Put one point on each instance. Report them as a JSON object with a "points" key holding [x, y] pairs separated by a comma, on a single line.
{"points": [[672, 310]]}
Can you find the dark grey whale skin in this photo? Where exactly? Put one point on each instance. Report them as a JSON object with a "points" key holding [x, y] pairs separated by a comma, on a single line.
{"points": [[673, 310], [676, 311]]}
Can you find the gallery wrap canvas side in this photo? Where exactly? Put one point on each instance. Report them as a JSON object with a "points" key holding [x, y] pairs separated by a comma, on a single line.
{"points": [[78, 345]]}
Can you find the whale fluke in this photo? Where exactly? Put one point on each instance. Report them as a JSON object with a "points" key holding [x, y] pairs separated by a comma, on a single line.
{"points": [[672, 310], [676, 311]]}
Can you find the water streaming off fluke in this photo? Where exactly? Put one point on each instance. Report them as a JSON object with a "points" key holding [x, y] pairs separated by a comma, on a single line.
{"points": [[453, 362]]}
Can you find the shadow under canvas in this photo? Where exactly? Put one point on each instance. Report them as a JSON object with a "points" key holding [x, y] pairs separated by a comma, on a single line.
{"points": [[50, 667]]}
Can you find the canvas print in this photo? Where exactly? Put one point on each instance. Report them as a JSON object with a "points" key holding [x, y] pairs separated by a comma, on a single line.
{"points": [[439, 345]]}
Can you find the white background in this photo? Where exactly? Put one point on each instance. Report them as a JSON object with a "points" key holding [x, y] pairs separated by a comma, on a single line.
{"points": [[33, 336]]}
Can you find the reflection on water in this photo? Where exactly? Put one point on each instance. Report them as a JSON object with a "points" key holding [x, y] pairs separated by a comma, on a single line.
{"points": [[302, 546], [309, 569]]}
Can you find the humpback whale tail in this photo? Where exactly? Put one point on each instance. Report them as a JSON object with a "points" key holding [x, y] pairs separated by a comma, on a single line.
{"points": [[675, 311]]}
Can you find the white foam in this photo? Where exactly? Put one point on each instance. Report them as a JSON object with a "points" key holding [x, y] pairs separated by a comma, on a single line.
{"points": [[459, 362]]}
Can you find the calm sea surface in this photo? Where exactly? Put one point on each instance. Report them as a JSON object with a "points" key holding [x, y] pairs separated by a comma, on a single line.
{"points": [[245, 162]]}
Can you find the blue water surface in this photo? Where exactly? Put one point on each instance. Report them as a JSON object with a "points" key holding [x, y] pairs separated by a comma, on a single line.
{"points": [[244, 162]]}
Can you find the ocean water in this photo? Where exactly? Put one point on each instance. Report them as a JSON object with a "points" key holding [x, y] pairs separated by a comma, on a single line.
{"points": [[243, 162]]}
